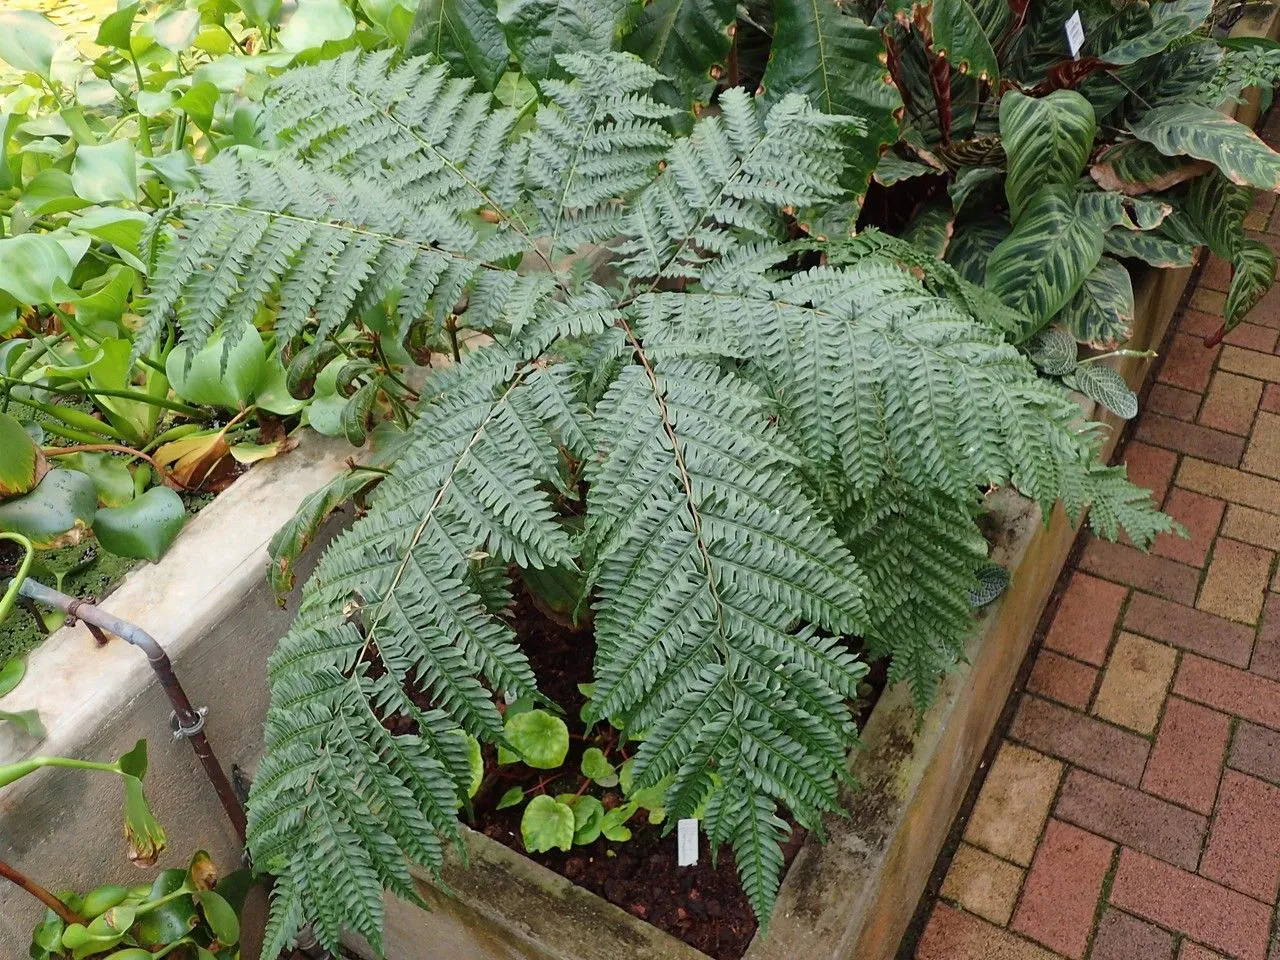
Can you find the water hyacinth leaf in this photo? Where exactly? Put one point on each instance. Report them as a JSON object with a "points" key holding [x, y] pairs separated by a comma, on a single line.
{"points": [[547, 824], [685, 40], [993, 580], [1149, 247], [110, 476], [959, 37], [1252, 272], [540, 738], [117, 29], [465, 34], [193, 457], [1104, 385], [120, 228], [215, 376], [103, 299], [58, 510], [1047, 141], [28, 41], [538, 31], [1171, 20], [1101, 313], [33, 266], [11, 674], [1188, 129], [1038, 268], [27, 721], [838, 62], [1053, 351], [107, 173], [316, 22], [1135, 167], [144, 528], [222, 920], [261, 13], [23, 464]]}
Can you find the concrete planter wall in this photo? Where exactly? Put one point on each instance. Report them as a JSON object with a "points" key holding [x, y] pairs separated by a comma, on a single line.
{"points": [[207, 602]]}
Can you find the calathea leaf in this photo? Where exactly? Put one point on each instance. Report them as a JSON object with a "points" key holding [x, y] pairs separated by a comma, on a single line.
{"points": [[959, 37], [1215, 209], [1252, 272], [1170, 21], [1134, 167], [1047, 141], [838, 62], [539, 30], [1104, 385], [1054, 351], [686, 40], [893, 169], [973, 184], [1188, 129], [931, 228], [465, 34], [1039, 267], [1149, 246], [971, 245], [1101, 312]]}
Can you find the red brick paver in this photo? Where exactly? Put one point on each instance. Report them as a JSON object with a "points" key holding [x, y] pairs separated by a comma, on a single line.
{"points": [[1134, 810]]}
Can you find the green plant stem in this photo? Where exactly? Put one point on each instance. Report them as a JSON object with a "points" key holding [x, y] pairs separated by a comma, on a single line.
{"points": [[11, 591], [12, 772], [135, 395], [67, 433], [144, 125], [1118, 353], [20, 879], [28, 361], [108, 448]]}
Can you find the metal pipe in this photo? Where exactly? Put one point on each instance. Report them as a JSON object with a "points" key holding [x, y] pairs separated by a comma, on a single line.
{"points": [[188, 722]]}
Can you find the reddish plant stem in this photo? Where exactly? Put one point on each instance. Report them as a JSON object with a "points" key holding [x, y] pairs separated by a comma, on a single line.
{"points": [[112, 448], [15, 876], [940, 76]]}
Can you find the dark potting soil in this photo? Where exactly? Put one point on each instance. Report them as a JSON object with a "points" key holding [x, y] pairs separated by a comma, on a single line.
{"points": [[702, 905]]}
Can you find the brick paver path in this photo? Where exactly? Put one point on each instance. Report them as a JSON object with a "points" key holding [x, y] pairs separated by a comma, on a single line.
{"points": [[1133, 809]]}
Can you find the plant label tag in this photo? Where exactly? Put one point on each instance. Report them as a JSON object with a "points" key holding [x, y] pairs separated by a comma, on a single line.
{"points": [[687, 842], [1075, 34]]}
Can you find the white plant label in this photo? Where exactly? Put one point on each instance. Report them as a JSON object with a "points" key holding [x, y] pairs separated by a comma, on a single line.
{"points": [[687, 842], [1075, 34]]}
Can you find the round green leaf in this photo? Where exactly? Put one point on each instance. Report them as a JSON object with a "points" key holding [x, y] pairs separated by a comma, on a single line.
{"points": [[110, 476], [28, 41], [11, 674], [23, 464], [143, 528], [541, 738], [316, 22], [510, 798], [117, 28], [260, 12], [107, 173], [221, 918], [64, 500], [32, 265], [547, 823], [597, 769], [202, 378], [614, 823], [177, 30], [588, 816]]}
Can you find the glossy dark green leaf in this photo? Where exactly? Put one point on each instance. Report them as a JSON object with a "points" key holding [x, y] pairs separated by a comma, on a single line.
{"points": [[959, 37], [1170, 20], [547, 824], [167, 923], [1101, 313], [23, 464], [222, 920], [838, 62], [1253, 271], [465, 34], [64, 501], [143, 528], [685, 40]]}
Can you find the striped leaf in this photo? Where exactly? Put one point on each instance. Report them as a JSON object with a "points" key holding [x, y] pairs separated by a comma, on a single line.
{"points": [[1149, 247], [959, 37], [1101, 312], [974, 185], [838, 62], [893, 169], [971, 245], [1252, 272], [1104, 385], [683, 40], [1134, 167], [1215, 209], [1170, 21], [930, 230], [1188, 129], [1038, 268], [1047, 140]]}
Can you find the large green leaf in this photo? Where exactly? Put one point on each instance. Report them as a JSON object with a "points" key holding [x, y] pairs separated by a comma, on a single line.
{"points": [[110, 475], [684, 40], [1188, 129], [1039, 267], [22, 464], [315, 22], [217, 377], [971, 245], [1170, 20], [465, 34], [106, 173], [931, 228], [64, 501], [1252, 272], [1215, 208], [1134, 167], [1047, 140], [959, 37], [539, 30], [838, 62], [1101, 312], [28, 41], [1149, 247], [33, 266], [117, 28], [143, 528]]}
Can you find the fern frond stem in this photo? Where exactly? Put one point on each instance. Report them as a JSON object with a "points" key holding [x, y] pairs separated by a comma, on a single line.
{"points": [[568, 181], [514, 220]]}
